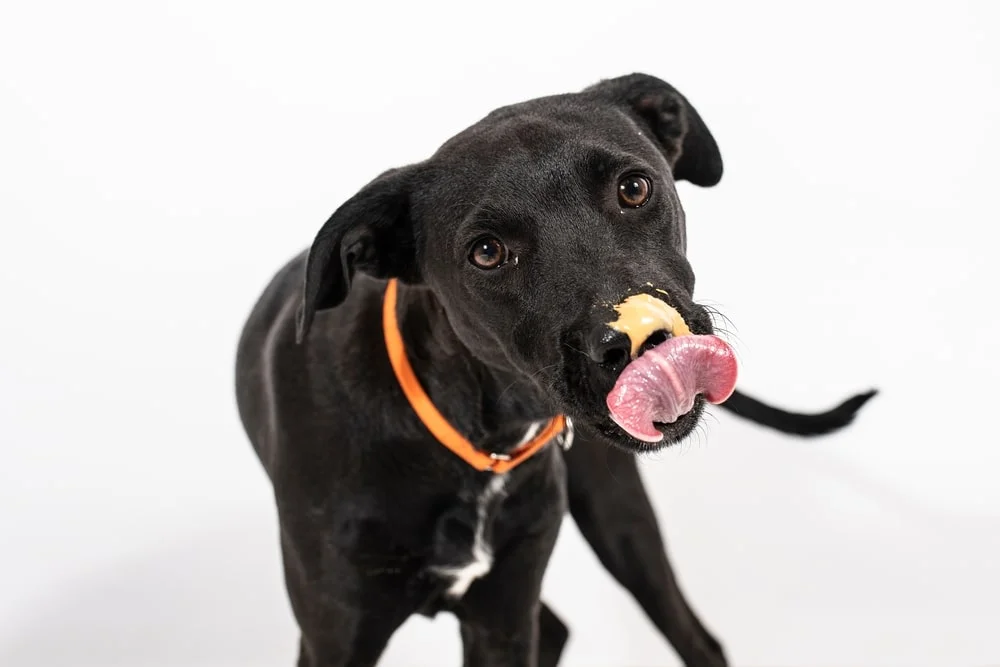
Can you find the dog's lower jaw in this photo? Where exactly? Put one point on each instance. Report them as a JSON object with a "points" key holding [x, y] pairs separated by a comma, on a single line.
{"points": [[673, 433]]}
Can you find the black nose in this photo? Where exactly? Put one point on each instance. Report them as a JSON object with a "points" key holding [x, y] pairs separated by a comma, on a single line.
{"points": [[609, 346]]}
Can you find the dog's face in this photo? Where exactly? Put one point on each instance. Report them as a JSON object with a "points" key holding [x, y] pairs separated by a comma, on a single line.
{"points": [[531, 226]]}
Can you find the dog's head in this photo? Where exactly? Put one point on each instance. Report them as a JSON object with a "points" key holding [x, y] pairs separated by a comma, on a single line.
{"points": [[532, 227]]}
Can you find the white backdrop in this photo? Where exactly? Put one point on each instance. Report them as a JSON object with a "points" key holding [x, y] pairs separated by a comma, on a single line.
{"points": [[160, 161]]}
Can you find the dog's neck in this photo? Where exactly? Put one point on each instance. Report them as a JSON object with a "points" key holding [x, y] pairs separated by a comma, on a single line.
{"points": [[496, 410]]}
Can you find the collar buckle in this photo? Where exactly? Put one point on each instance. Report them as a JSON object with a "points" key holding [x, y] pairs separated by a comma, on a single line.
{"points": [[565, 438]]}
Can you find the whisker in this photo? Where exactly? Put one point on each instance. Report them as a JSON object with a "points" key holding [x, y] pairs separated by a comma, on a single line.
{"points": [[575, 349], [715, 313], [698, 435], [706, 414], [718, 320], [547, 385]]}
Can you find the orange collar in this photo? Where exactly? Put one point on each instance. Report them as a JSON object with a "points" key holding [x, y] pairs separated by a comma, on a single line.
{"points": [[435, 422]]}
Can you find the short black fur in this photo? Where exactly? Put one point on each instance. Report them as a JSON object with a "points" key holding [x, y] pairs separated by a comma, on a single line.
{"points": [[373, 511]]}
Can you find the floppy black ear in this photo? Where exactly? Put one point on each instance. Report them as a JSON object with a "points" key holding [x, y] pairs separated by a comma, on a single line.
{"points": [[371, 232], [683, 137]]}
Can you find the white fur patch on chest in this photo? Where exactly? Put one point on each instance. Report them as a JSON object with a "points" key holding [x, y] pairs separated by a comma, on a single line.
{"points": [[481, 557]]}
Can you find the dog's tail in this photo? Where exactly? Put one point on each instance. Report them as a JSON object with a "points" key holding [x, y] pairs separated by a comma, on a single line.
{"points": [[797, 423]]}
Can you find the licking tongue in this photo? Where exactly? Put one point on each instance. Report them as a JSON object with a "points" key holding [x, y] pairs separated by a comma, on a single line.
{"points": [[661, 385]]}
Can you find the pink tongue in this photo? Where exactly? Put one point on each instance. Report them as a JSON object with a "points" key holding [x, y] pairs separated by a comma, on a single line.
{"points": [[661, 385]]}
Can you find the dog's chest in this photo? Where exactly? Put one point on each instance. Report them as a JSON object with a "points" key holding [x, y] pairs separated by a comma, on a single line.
{"points": [[462, 550]]}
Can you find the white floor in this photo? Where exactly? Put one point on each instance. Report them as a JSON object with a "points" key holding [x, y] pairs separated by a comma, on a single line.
{"points": [[791, 554]]}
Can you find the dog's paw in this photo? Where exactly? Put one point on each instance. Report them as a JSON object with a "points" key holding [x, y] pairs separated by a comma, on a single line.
{"points": [[706, 651]]}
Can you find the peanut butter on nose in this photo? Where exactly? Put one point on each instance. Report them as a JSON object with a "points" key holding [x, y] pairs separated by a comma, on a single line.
{"points": [[640, 315]]}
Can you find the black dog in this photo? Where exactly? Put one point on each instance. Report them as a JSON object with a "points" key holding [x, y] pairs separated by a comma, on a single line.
{"points": [[505, 253]]}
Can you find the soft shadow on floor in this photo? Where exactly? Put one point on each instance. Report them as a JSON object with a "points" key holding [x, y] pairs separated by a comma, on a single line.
{"points": [[215, 598]]}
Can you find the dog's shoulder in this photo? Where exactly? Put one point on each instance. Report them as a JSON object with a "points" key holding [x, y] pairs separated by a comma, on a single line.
{"points": [[286, 389]]}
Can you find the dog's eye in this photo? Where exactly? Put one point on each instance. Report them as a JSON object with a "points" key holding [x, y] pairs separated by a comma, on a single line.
{"points": [[488, 253], [634, 191]]}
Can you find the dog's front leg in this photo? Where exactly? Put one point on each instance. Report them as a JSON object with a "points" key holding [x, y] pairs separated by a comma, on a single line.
{"points": [[501, 615], [493, 647], [551, 636], [346, 614], [609, 505]]}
